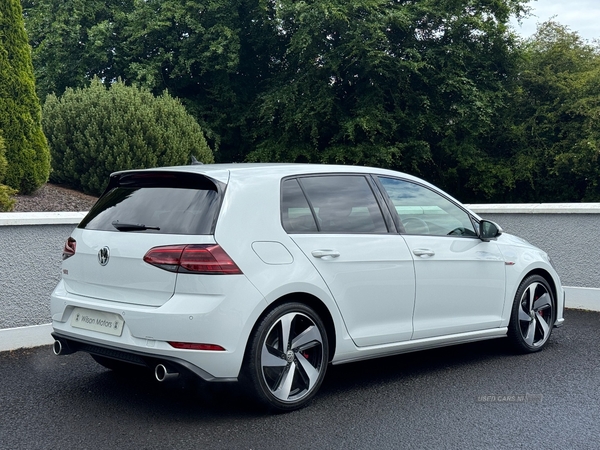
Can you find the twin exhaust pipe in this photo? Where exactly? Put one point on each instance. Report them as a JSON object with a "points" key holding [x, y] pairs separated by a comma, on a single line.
{"points": [[61, 348], [161, 372]]}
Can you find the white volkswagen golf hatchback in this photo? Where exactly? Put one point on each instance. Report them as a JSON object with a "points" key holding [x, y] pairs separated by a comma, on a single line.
{"points": [[266, 273]]}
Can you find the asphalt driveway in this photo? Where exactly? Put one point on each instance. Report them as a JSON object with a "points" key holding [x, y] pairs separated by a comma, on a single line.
{"points": [[469, 396]]}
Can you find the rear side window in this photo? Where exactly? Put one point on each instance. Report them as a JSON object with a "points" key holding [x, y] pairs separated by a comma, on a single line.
{"points": [[331, 204], [156, 202]]}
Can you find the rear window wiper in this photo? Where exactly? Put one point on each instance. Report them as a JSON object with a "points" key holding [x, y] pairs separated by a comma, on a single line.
{"points": [[132, 226]]}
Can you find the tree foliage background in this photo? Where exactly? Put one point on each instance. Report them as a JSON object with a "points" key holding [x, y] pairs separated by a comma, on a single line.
{"points": [[439, 88], [557, 116], [26, 150]]}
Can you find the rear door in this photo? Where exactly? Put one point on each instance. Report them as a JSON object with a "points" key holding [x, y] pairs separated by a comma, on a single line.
{"points": [[338, 223]]}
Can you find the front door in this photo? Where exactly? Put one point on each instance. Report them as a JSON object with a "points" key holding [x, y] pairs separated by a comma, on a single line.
{"points": [[460, 280]]}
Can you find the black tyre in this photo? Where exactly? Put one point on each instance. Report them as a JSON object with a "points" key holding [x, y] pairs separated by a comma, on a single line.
{"points": [[287, 357], [533, 315]]}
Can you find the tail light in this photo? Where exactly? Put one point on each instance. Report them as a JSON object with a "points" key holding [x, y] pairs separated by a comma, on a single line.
{"points": [[202, 259], [69, 249]]}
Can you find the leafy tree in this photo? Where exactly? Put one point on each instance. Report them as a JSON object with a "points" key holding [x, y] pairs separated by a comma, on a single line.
{"points": [[556, 116], [414, 86], [95, 131], [27, 151], [212, 54], [75, 40]]}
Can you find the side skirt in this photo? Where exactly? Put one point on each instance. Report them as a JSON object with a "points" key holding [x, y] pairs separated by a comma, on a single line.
{"points": [[377, 351]]}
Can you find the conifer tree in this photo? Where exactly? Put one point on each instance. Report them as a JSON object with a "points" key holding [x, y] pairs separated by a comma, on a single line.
{"points": [[27, 151]]}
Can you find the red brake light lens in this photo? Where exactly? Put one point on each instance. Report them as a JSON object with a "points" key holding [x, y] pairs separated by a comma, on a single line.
{"points": [[195, 258], [208, 259], [166, 258], [70, 248]]}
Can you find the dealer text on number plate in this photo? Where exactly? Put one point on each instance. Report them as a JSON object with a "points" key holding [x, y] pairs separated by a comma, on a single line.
{"points": [[100, 321]]}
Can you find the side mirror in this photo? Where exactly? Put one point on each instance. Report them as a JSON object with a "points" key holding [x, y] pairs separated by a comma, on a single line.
{"points": [[489, 230]]}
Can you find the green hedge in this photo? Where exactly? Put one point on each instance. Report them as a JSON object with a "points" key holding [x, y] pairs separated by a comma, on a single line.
{"points": [[96, 130]]}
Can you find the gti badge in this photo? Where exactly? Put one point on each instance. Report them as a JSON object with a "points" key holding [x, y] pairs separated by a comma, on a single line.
{"points": [[103, 256]]}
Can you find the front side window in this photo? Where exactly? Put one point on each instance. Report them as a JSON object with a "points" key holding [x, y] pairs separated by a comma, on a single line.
{"points": [[423, 211], [331, 204]]}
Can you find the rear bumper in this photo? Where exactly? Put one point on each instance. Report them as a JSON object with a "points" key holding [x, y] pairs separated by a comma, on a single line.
{"points": [[225, 320], [138, 358]]}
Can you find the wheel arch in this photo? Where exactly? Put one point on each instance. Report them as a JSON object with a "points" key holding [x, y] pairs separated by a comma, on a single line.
{"points": [[308, 300], [546, 276]]}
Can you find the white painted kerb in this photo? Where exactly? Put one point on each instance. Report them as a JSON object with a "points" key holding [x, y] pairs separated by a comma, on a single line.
{"points": [[582, 298], [25, 337]]}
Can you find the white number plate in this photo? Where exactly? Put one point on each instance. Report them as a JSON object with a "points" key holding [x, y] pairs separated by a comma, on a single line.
{"points": [[103, 322]]}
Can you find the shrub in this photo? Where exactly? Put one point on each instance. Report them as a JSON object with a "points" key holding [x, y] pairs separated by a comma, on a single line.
{"points": [[6, 202], [26, 147], [96, 130]]}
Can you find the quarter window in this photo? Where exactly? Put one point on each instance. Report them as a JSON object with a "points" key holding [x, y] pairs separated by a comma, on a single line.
{"points": [[296, 215], [423, 211]]}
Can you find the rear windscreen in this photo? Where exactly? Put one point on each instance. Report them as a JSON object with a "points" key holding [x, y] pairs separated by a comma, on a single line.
{"points": [[149, 202]]}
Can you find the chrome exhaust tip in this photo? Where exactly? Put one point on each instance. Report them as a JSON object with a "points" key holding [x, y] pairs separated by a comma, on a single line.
{"points": [[57, 347], [162, 373], [61, 348]]}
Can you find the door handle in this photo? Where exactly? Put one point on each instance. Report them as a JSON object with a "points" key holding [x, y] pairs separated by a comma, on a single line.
{"points": [[423, 252], [325, 253]]}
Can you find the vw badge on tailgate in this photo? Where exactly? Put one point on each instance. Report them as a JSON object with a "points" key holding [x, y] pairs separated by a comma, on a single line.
{"points": [[103, 256]]}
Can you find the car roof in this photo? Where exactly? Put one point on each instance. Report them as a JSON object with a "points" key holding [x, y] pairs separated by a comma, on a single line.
{"points": [[222, 172]]}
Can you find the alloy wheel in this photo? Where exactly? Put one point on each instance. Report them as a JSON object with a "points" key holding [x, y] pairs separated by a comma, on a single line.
{"points": [[535, 314], [292, 357]]}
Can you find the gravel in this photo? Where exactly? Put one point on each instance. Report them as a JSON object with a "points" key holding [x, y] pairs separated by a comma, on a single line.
{"points": [[52, 197]]}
